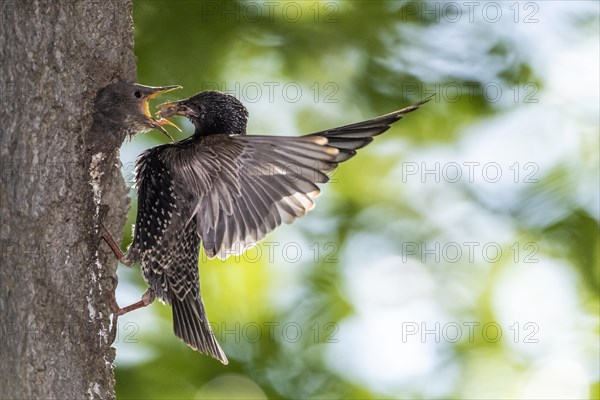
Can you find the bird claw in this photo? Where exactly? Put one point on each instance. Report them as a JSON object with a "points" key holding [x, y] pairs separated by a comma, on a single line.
{"points": [[147, 299]]}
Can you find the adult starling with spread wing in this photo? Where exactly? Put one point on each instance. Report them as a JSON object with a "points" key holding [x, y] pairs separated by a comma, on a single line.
{"points": [[226, 191]]}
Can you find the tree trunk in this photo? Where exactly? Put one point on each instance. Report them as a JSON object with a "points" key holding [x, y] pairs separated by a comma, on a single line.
{"points": [[55, 276]]}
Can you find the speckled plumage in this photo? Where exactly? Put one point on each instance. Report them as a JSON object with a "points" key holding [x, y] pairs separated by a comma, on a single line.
{"points": [[225, 191], [167, 249]]}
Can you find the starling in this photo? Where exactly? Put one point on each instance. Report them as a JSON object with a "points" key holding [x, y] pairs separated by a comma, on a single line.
{"points": [[122, 110], [226, 191]]}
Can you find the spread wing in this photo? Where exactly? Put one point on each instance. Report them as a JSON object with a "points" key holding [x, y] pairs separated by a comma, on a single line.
{"points": [[239, 188]]}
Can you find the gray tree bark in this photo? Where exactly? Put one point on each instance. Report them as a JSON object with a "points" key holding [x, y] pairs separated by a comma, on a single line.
{"points": [[55, 276]]}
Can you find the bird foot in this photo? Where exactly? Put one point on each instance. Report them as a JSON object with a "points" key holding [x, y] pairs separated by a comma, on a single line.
{"points": [[147, 299]]}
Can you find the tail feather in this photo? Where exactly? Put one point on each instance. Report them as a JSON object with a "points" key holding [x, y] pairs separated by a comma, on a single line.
{"points": [[191, 325], [349, 138]]}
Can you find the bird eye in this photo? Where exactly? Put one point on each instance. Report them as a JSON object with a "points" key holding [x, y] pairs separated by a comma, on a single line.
{"points": [[138, 94]]}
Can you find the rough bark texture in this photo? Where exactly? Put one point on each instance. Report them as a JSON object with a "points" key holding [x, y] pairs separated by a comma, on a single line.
{"points": [[55, 280]]}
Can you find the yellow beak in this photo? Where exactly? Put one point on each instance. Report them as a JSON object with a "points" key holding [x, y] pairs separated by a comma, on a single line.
{"points": [[154, 92]]}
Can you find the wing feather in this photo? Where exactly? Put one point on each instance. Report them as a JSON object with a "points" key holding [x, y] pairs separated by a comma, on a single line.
{"points": [[242, 187]]}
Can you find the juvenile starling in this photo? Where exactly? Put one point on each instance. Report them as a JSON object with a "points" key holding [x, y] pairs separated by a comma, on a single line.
{"points": [[225, 190], [122, 109]]}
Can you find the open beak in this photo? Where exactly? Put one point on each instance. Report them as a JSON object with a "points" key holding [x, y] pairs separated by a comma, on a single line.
{"points": [[158, 124], [172, 108]]}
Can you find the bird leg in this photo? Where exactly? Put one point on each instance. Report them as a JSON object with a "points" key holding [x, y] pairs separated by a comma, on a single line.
{"points": [[114, 246], [112, 243], [147, 299], [104, 234]]}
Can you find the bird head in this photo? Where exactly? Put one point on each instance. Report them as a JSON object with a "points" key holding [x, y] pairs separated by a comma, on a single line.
{"points": [[127, 106], [211, 112]]}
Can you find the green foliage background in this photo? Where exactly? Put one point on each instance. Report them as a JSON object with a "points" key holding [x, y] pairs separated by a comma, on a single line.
{"points": [[328, 307]]}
